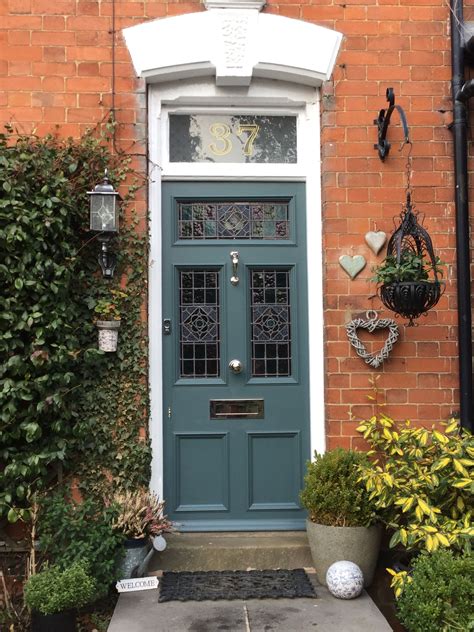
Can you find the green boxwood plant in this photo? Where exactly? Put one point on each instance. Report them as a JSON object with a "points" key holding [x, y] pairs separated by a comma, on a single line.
{"points": [[439, 593], [332, 493], [53, 590]]}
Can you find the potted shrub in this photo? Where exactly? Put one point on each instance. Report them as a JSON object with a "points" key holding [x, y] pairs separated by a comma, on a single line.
{"points": [[408, 284], [341, 518], [108, 319], [140, 515], [54, 594]]}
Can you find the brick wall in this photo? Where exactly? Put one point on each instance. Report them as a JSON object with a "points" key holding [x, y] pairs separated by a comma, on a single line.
{"points": [[56, 76]]}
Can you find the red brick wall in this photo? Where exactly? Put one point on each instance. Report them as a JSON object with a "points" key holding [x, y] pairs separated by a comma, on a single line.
{"points": [[56, 75]]}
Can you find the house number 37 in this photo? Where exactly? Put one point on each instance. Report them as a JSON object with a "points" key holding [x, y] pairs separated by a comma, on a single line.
{"points": [[223, 144]]}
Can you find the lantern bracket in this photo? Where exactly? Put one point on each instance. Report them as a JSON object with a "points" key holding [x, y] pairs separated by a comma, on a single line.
{"points": [[383, 121], [107, 260]]}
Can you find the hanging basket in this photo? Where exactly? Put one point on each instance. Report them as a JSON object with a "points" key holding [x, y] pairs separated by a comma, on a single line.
{"points": [[108, 334], [412, 297]]}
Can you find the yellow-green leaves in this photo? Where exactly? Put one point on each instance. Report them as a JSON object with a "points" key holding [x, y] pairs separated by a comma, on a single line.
{"points": [[423, 483]]}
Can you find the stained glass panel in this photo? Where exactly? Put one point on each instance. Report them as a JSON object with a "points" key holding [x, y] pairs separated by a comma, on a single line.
{"points": [[271, 327], [233, 220], [199, 323]]}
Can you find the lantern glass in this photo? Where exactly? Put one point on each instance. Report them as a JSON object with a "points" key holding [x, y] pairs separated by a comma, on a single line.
{"points": [[104, 212]]}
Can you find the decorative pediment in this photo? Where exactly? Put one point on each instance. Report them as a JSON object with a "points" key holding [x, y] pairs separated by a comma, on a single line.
{"points": [[235, 44]]}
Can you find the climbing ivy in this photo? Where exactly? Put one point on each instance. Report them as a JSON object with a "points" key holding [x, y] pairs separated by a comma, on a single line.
{"points": [[66, 407]]}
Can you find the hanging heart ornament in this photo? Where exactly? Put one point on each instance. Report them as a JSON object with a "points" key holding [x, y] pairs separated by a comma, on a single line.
{"points": [[372, 323], [375, 240], [352, 265]]}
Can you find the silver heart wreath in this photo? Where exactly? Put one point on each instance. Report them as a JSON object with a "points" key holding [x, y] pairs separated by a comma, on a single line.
{"points": [[372, 323]]}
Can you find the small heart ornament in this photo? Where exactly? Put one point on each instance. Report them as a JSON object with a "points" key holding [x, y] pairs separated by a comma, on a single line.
{"points": [[375, 240], [352, 265], [371, 323]]}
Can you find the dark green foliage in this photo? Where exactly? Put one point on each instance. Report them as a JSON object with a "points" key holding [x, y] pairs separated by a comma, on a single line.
{"points": [[71, 532], [441, 594], [54, 590], [332, 494], [411, 267], [63, 403]]}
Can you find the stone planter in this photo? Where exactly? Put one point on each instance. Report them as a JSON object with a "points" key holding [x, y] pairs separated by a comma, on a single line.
{"points": [[135, 552], [333, 544], [108, 334]]}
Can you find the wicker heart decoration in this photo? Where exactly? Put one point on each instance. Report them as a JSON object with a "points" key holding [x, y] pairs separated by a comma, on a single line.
{"points": [[371, 323]]}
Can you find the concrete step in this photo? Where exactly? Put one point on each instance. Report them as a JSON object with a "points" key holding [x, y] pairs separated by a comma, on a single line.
{"points": [[233, 551]]}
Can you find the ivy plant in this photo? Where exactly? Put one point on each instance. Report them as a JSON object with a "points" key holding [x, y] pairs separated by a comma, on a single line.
{"points": [[64, 405]]}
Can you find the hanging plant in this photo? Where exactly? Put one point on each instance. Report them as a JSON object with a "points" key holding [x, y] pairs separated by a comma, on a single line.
{"points": [[108, 320], [409, 278]]}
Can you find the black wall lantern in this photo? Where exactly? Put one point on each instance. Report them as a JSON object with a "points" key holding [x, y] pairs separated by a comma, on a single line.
{"points": [[104, 220]]}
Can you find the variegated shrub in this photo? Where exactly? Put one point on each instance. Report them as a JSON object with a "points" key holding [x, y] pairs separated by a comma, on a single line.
{"points": [[422, 482]]}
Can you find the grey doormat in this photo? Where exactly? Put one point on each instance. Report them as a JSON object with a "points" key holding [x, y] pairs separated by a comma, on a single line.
{"points": [[213, 585]]}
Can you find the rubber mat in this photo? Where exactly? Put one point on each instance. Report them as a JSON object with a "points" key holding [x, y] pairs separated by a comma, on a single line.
{"points": [[213, 585]]}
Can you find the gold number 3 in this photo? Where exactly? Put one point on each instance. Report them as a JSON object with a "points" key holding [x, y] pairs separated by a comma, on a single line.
{"points": [[221, 132]]}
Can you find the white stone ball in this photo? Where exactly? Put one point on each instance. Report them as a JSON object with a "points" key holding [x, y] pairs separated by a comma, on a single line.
{"points": [[345, 580]]}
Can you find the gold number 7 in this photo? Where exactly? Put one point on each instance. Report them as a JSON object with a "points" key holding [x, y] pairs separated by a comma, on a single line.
{"points": [[253, 130]]}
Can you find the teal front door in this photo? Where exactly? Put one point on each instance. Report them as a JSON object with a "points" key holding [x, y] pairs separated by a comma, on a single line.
{"points": [[235, 359]]}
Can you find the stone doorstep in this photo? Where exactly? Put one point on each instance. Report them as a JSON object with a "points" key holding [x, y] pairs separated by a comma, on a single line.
{"points": [[233, 551]]}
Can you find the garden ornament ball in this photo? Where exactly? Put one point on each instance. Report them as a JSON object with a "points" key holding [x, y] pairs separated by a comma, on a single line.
{"points": [[345, 580]]}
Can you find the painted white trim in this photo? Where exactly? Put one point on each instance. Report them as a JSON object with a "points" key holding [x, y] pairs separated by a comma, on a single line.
{"points": [[234, 46], [286, 98]]}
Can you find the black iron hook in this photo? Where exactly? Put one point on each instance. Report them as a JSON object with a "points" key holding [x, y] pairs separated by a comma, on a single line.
{"points": [[383, 121]]}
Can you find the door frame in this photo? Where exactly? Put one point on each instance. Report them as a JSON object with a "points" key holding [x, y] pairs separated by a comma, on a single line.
{"points": [[261, 97]]}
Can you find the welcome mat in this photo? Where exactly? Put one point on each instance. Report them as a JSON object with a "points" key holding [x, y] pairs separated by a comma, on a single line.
{"points": [[213, 585]]}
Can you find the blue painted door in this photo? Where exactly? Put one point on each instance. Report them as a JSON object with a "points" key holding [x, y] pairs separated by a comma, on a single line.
{"points": [[235, 360]]}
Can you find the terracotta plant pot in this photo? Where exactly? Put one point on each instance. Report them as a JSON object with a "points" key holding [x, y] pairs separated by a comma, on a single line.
{"points": [[108, 334], [360, 545]]}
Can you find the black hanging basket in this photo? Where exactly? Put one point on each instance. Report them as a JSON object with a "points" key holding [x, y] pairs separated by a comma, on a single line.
{"points": [[411, 299]]}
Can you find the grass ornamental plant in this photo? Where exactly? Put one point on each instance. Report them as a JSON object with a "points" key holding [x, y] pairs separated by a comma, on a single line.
{"points": [[333, 493], [421, 481], [140, 514], [53, 590], [438, 594]]}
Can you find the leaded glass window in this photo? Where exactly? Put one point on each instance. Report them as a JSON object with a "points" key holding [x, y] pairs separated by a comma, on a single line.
{"points": [[199, 323], [271, 327], [233, 220]]}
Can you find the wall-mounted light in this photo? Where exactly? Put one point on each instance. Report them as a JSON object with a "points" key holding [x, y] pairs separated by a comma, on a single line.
{"points": [[104, 220]]}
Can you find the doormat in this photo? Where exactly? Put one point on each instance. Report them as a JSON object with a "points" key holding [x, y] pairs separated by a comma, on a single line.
{"points": [[214, 585]]}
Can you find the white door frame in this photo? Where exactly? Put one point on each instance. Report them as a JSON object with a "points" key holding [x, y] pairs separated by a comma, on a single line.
{"points": [[263, 96]]}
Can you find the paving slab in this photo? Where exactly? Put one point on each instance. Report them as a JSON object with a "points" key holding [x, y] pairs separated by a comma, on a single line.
{"points": [[141, 612]]}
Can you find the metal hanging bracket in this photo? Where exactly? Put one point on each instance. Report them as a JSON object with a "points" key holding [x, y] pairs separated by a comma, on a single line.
{"points": [[383, 121]]}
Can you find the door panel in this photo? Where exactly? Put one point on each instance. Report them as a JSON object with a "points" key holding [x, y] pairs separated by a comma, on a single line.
{"points": [[234, 289]]}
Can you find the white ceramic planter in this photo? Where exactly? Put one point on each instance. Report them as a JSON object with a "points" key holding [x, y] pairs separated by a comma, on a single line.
{"points": [[360, 545], [108, 334]]}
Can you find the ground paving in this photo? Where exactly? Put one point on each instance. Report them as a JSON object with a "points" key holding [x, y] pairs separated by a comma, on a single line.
{"points": [[141, 612]]}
